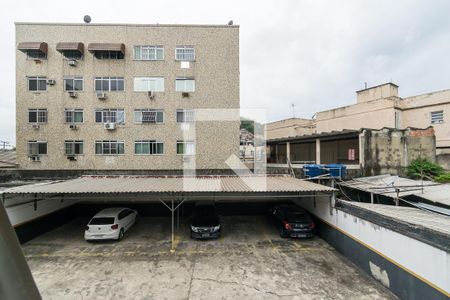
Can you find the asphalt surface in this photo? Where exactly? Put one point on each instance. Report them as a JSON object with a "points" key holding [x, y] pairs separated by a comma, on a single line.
{"points": [[249, 261]]}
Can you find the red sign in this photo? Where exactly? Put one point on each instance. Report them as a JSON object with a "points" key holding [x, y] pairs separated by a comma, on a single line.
{"points": [[351, 154]]}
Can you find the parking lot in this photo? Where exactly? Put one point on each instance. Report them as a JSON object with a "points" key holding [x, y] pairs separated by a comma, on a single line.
{"points": [[249, 261]]}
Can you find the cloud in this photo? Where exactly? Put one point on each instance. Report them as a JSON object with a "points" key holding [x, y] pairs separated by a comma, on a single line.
{"points": [[314, 54]]}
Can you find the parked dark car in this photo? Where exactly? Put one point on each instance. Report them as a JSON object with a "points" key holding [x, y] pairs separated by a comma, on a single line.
{"points": [[292, 221], [205, 223]]}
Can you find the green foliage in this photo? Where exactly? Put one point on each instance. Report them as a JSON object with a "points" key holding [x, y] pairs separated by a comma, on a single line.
{"points": [[248, 124], [443, 178], [423, 166]]}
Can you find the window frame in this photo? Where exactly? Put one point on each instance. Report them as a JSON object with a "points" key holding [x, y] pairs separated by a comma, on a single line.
{"points": [[149, 79], [184, 148], [149, 47], [37, 111], [109, 79], [73, 111], [37, 78], [109, 142], [184, 47], [141, 110], [73, 143], [73, 78], [109, 110], [100, 55], [184, 111], [151, 143], [36, 142], [184, 79], [439, 119]]}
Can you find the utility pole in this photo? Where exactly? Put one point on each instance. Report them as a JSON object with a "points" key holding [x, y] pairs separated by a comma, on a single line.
{"points": [[4, 144]]}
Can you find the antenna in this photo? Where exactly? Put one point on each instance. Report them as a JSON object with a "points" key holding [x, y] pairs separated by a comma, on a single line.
{"points": [[365, 85], [87, 19], [293, 110]]}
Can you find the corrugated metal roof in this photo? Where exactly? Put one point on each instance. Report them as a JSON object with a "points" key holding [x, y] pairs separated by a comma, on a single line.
{"points": [[168, 184], [388, 185]]}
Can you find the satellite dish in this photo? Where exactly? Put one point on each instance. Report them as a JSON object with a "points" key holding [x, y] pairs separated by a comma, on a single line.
{"points": [[87, 19], [230, 22]]}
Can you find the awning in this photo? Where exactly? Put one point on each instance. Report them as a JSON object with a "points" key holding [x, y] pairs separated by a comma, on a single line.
{"points": [[26, 46], [70, 46], [172, 184], [92, 47]]}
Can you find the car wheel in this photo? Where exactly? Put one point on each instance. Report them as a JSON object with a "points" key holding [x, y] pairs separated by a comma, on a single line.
{"points": [[283, 234], [121, 234]]}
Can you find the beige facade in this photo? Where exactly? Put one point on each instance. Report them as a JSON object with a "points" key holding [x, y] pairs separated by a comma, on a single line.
{"points": [[378, 107], [215, 70], [289, 127]]}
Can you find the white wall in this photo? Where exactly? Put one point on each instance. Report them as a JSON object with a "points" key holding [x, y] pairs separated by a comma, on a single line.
{"points": [[420, 258]]}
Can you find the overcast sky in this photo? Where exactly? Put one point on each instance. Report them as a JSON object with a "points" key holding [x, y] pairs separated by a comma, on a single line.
{"points": [[314, 54]]}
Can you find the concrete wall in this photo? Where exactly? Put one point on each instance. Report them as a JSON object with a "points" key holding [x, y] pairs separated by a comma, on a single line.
{"points": [[216, 72], [377, 92], [372, 114], [408, 267], [390, 152], [289, 127]]}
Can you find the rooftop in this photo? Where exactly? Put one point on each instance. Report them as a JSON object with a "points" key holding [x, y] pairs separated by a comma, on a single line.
{"points": [[126, 24], [172, 184]]}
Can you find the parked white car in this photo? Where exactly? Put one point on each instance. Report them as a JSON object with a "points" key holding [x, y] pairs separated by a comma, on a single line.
{"points": [[110, 223]]}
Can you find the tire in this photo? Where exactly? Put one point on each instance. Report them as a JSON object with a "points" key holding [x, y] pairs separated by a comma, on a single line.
{"points": [[283, 234], [121, 234]]}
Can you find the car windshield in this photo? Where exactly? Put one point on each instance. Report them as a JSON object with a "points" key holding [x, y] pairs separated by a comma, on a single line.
{"points": [[205, 210], [101, 221], [296, 216]]}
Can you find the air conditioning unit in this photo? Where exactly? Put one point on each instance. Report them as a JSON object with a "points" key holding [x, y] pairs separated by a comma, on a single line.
{"points": [[72, 62], [51, 81], [35, 158], [71, 157], [73, 94], [101, 95], [151, 95], [185, 94], [36, 126], [110, 126], [73, 126]]}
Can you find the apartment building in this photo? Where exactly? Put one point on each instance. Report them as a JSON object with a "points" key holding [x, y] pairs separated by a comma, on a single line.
{"points": [[378, 107], [120, 96]]}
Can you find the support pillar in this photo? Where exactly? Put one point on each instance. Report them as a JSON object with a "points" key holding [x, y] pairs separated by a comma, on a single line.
{"points": [[288, 152], [317, 151], [172, 249]]}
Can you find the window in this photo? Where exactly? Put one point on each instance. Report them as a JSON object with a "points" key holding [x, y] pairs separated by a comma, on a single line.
{"points": [[109, 147], [37, 148], [73, 116], [185, 53], [73, 147], [148, 147], [37, 83], [108, 55], [149, 116], [110, 116], [183, 84], [72, 54], [185, 115], [37, 115], [185, 147], [109, 84], [145, 84], [148, 52], [36, 54], [72, 84], [437, 117]]}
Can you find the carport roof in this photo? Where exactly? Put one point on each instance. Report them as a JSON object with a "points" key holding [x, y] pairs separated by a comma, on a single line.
{"points": [[172, 184]]}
